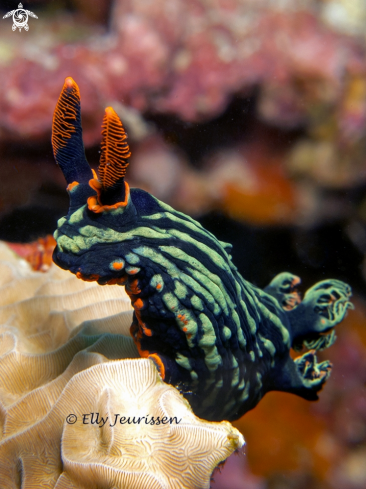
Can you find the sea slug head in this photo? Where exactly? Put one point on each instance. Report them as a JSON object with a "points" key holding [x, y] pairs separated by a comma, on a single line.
{"points": [[88, 237]]}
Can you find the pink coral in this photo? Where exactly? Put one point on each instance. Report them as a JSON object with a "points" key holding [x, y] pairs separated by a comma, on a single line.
{"points": [[186, 58]]}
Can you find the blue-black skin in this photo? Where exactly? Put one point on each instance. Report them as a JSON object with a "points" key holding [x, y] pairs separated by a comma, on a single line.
{"points": [[222, 341]]}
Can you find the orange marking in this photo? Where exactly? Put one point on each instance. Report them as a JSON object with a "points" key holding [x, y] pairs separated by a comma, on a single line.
{"points": [[143, 353], [160, 364], [185, 329], [159, 286], [138, 331], [147, 330], [142, 326], [183, 319], [117, 280], [94, 202], [138, 304], [88, 278], [115, 150], [118, 265], [71, 186], [134, 286], [136, 335], [65, 113], [133, 271], [139, 320]]}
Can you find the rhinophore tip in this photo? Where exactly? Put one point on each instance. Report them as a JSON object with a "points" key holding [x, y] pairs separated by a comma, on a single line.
{"points": [[115, 150], [67, 142], [69, 82], [114, 158]]}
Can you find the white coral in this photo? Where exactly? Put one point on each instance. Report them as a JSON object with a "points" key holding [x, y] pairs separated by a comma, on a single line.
{"points": [[60, 339]]}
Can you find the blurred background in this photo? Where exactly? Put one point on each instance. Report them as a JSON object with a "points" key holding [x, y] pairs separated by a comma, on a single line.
{"points": [[250, 116]]}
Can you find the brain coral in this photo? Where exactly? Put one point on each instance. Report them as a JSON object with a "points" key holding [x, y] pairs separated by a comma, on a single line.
{"points": [[59, 338]]}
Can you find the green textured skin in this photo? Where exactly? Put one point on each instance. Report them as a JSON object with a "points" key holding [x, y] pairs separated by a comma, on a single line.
{"points": [[223, 341]]}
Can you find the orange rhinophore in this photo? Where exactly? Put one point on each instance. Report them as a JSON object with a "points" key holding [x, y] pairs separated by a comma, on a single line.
{"points": [[67, 140], [65, 115], [115, 150]]}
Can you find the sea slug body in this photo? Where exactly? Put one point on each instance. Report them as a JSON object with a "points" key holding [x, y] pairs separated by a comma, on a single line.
{"points": [[222, 341]]}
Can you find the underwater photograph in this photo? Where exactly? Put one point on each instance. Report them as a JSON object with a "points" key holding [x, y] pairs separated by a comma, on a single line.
{"points": [[183, 244]]}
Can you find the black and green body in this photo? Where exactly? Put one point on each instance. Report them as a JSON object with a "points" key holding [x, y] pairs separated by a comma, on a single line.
{"points": [[222, 341]]}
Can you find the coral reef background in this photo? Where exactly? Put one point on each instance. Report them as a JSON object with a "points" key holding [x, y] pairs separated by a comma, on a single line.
{"points": [[249, 115]]}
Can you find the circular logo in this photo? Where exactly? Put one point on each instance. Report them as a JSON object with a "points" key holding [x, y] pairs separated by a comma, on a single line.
{"points": [[20, 19], [71, 419]]}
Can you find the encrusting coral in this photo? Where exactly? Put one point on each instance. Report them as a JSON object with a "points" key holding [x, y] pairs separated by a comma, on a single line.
{"points": [[223, 341], [188, 58], [59, 341], [37, 253]]}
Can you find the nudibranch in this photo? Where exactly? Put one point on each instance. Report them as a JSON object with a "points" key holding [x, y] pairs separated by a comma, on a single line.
{"points": [[222, 341]]}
